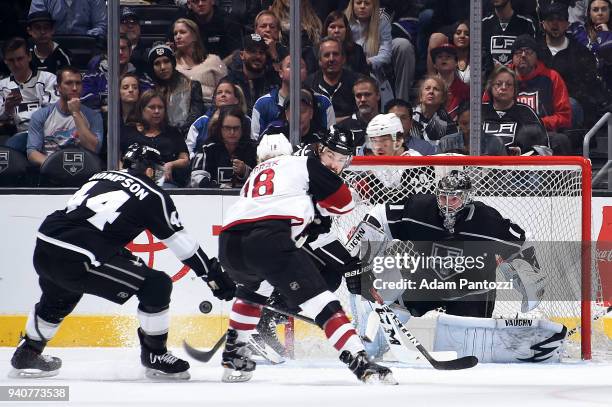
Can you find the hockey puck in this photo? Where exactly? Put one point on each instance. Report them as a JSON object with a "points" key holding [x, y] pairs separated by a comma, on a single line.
{"points": [[205, 307]]}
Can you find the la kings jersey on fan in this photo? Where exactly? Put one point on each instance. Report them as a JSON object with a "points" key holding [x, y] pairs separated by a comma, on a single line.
{"points": [[481, 233], [112, 209], [290, 195], [498, 38], [36, 92]]}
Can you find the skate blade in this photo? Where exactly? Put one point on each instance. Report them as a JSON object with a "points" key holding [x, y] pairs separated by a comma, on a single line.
{"points": [[154, 374], [31, 373], [375, 379], [235, 376]]}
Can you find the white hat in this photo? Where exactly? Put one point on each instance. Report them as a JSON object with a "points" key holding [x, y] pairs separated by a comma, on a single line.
{"points": [[273, 145]]}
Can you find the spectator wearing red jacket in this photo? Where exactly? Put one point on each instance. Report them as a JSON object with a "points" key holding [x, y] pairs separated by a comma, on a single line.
{"points": [[540, 87]]}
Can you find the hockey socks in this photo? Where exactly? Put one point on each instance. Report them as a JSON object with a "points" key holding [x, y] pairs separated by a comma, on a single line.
{"points": [[244, 318]]}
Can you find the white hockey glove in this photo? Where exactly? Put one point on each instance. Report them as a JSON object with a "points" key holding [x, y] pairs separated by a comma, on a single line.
{"points": [[527, 280]]}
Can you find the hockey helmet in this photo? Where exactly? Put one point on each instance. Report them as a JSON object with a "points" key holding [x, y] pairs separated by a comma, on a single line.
{"points": [[139, 157], [273, 145], [336, 148], [453, 193], [385, 125]]}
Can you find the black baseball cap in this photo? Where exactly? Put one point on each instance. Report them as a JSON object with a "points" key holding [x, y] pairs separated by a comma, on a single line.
{"points": [[39, 16], [128, 13], [305, 97], [253, 42], [552, 10]]}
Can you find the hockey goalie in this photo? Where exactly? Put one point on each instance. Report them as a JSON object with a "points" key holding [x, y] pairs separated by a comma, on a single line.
{"points": [[455, 246]]}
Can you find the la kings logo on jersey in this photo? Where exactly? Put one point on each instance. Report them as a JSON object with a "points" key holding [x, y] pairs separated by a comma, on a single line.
{"points": [[501, 48], [505, 130], [4, 160], [440, 251]]}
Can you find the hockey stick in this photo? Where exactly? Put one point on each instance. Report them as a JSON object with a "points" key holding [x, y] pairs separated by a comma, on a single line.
{"points": [[200, 355], [595, 318], [403, 334]]}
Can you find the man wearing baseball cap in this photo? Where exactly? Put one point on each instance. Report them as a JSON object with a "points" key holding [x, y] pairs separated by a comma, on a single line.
{"points": [[576, 65], [47, 55], [250, 73], [444, 58], [544, 90], [130, 27]]}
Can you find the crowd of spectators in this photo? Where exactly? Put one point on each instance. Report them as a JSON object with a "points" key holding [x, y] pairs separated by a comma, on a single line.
{"points": [[216, 81]]}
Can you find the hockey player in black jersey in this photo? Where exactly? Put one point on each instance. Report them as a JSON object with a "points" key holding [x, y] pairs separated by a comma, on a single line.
{"points": [[456, 245], [81, 250]]}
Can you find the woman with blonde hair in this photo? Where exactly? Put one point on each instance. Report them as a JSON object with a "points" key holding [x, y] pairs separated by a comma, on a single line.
{"points": [[431, 122], [311, 24], [371, 28], [193, 61]]}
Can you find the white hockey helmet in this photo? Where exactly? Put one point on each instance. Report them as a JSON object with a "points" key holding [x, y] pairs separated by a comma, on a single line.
{"points": [[385, 125], [273, 145]]}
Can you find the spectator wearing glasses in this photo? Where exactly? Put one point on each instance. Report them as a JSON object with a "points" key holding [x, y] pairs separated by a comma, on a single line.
{"points": [[226, 161], [130, 27]]}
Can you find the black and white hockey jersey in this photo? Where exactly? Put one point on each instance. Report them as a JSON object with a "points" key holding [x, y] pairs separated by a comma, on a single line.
{"points": [[498, 38], [110, 210], [480, 234]]}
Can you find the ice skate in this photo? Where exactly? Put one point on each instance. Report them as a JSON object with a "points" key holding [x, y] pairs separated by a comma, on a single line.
{"points": [[162, 364], [366, 371], [237, 363], [267, 330], [28, 362]]}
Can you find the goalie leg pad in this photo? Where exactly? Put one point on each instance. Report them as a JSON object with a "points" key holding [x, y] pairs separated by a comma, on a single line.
{"points": [[501, 340]]}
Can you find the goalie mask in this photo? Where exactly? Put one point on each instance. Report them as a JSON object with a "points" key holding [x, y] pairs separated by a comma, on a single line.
{"points": [[336, 148], [139, 158], [453, 193]]}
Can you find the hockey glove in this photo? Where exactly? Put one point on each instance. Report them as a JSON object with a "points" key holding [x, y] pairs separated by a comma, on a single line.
{"points": [[319, 226], [219, 282]]}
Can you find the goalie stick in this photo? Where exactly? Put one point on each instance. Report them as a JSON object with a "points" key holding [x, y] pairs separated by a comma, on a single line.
{"points": [[399, 333], [595, 318]]}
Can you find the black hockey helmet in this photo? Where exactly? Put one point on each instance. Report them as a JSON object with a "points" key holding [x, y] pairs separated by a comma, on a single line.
{"points": [[455, 184], [338, 139], [139, 157]]}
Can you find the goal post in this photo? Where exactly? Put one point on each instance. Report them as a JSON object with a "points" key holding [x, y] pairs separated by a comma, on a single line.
{"points": [[549, 197]]}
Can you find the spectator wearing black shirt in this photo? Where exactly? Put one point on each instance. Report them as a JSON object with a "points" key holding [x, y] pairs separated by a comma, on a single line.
{"points": [[337, 26], [153, 130], [367, 99], [333, 79], [130, 27], [250, 73], [220, 34], [576, 65], [226, 161], [47, 55]]}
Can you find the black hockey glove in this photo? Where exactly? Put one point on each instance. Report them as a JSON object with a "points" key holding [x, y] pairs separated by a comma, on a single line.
{"points": [[359, 282], [219, 282], [319, 226]]}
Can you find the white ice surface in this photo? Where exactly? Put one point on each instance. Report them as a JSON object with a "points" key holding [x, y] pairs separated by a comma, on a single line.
{"points": [[114, 377]]}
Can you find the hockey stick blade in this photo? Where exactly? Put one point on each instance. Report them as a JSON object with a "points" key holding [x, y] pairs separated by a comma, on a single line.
{"points": [[465, 362], [201, 355], [595, 318]]}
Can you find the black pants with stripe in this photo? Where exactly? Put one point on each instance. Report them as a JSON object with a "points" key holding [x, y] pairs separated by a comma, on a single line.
{"points": [[264, 250], [65, 275]]}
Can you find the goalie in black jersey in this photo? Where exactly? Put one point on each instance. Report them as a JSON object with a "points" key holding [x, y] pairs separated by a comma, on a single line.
{"points": [[81, 250], [453, 246]]}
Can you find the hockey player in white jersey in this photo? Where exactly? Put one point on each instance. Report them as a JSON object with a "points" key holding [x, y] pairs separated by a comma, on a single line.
{"points": [[81, 250], [258, 243], [446, 230]]}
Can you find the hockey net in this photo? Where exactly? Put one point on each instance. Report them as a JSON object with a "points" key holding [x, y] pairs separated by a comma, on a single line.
{"points": [[549, 197]]}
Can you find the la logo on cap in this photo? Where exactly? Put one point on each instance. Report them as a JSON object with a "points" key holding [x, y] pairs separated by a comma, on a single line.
{"points": [[159, 51], [256, 37]]}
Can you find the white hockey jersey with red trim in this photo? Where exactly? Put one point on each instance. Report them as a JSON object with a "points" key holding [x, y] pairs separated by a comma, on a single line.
{"points": [[288, 187]]}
